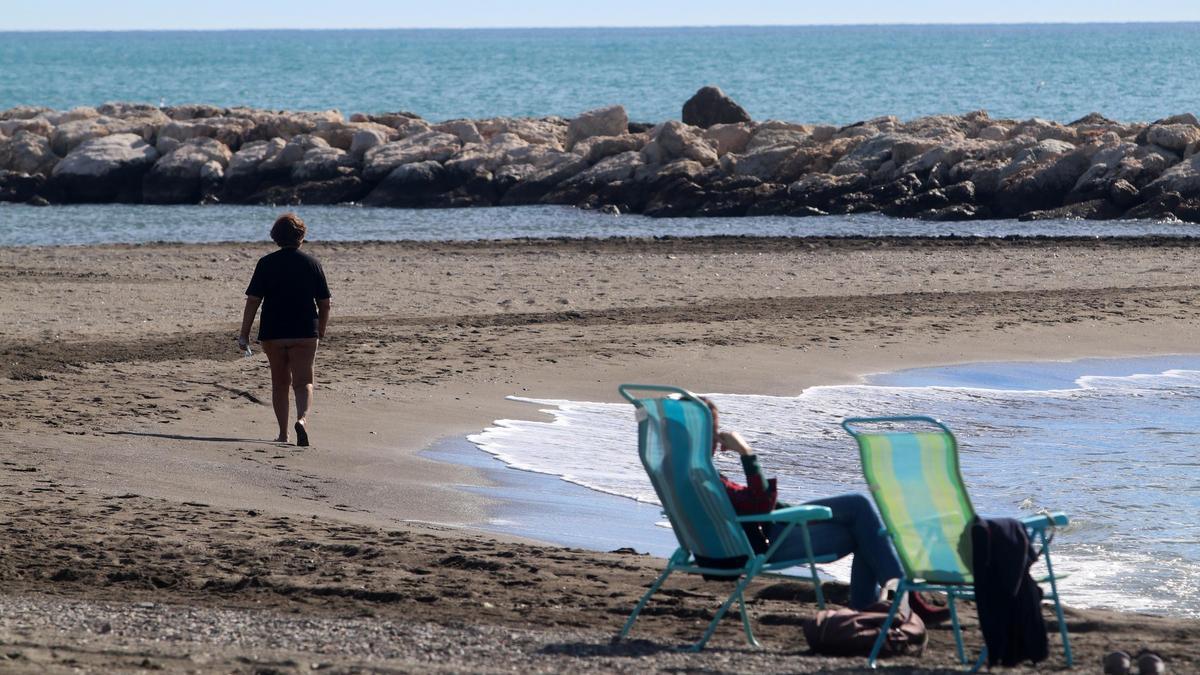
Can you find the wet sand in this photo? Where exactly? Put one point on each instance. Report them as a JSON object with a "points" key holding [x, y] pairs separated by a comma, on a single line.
{"points": [[139, 484]]}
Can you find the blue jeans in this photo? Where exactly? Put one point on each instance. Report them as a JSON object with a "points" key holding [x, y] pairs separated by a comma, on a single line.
{"points": [[854, 529]]}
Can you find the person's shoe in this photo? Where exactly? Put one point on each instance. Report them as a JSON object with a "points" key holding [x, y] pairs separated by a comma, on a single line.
{"points": [[301, 435], [931, 614], [1149, 663], [1117, 663]]}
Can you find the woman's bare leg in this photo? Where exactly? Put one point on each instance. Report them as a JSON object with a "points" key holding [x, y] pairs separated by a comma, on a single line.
{"points": [[301, 356], [281, 381]]}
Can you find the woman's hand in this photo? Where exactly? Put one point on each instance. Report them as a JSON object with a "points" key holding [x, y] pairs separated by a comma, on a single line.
{"points": [[733, 441]]}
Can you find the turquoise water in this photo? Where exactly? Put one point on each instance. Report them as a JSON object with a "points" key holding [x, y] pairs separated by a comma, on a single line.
{"points": [[22, 225], [1114, 443], [810, 74]]}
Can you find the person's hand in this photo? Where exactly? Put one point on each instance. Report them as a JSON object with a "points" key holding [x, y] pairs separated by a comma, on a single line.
{"points": [[733, 441], [243, 343]]}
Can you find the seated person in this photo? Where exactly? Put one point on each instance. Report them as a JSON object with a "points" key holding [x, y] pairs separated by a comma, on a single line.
{"points": [[855, 529]]}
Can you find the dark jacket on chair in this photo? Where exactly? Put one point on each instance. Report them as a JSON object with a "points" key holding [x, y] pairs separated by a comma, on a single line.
{"points": [[1007, 598]]}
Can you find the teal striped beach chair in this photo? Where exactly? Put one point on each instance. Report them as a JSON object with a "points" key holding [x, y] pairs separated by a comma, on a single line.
{"points": [[675, 436], [915, 479]]}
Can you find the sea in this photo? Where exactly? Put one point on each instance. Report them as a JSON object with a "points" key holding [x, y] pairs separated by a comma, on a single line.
{"points": [[1113, 443], [816, 74]]}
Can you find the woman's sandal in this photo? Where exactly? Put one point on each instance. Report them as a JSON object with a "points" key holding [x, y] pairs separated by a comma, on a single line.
{"points": [[301, 435]]}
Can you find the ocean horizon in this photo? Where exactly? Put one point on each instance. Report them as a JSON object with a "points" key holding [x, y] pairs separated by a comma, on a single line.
{"points": [[835, 74]]}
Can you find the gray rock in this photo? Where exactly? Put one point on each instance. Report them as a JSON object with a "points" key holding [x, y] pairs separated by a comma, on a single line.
{"points": [[230, 131], [727, 138], [600, 147], [24, 112], [465, 130], [609, 121], [319, 164], [292, 153], [27, 152], [1042, 185], [765, 163], [550, 131], [366, 138], [675, 140], [710, 106], [186, 174], [104, 169], [409, 184], [379, 161], [1174, 137], [35, 125], [1182, 178]]}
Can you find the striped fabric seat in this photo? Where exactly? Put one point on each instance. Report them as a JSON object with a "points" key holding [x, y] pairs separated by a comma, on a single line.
{"points": [[911, 466], [677, 454], [675, 440], [916, 483]]}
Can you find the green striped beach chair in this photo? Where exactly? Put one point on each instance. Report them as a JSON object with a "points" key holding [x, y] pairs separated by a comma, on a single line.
{"points": [[915, 479], [675, 436]]}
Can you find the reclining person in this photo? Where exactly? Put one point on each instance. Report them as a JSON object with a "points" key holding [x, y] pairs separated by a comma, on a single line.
{"points": [[855, 529]]}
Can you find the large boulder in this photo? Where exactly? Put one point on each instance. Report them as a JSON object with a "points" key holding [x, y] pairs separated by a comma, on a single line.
{"points": [[322, 163], [773, 132], [243, 176], [766, 164], [189, 172], [379, 161], [710, 106], [27, 152], [292, 153], [1040, 186], [531, 185], [674, 140], [24, 112], [105, 169], [1174, 137], [66, 137], [1183, 178], [368, 136], [609, 121], [409, 185], [465, 130], [727, 138], [229, 131], [37, 125], [601, 147], [548, 131]]}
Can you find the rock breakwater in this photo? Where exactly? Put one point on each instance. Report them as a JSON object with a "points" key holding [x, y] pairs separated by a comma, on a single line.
{"points": [[943, 167]]}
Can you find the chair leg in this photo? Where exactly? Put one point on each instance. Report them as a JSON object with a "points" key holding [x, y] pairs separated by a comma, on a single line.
{"points": [[712, 625], [812, 566], [1058, 610], [979, 661], [874, 656], [958, 640], [642, 603], [746, 621]]}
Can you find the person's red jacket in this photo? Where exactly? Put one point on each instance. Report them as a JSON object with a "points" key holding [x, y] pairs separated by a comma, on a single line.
{"points": [[757, 496]]}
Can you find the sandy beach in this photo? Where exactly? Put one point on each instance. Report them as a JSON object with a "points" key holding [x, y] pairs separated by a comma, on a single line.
{"points": [[148, 522]]}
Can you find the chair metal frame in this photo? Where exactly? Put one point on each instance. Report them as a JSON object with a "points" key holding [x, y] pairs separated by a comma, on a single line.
{"points": [[756, 565], [963, 589]]}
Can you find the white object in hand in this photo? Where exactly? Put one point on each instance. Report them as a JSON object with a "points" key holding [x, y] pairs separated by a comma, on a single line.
{"points": [[244, 346]]}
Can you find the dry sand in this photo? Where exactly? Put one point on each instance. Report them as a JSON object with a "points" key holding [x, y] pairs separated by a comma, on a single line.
{"points": [[148, 523]]}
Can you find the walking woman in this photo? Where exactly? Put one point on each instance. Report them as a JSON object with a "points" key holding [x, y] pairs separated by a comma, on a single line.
{"points": [[290, 286]]}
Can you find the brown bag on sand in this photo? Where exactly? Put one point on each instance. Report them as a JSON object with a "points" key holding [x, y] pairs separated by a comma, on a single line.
{"points": [[845, 632]]}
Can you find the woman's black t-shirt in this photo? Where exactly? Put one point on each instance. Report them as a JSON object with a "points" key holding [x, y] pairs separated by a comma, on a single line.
{"points": [[289, 282]]}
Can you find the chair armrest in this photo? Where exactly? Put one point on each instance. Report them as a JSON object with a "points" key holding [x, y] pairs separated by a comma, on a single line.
{"points": [[1042, 521], [792, 514]]}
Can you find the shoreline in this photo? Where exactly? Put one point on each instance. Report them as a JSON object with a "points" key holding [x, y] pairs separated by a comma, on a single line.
{"points": [[136, 471]]}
